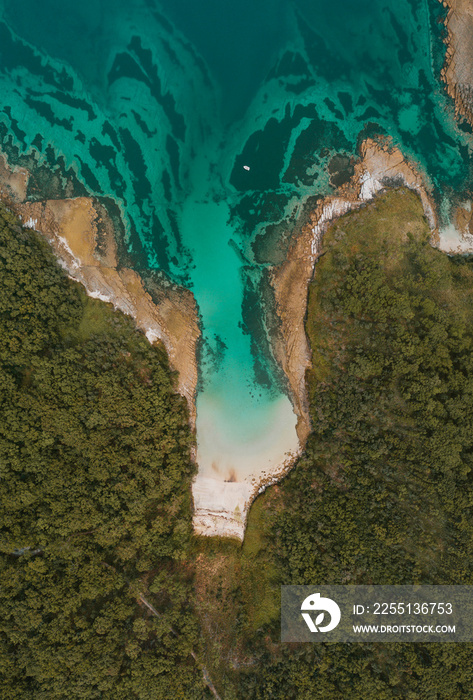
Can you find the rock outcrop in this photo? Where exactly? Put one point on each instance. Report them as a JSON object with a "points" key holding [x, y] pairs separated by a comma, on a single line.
{"points": [[81, 234], [381, 165], [457, 72]]}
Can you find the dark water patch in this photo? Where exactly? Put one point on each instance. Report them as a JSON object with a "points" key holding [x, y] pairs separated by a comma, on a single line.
{"points": [[14, 53], [236, 40], [166, 180], [165, 99], [199, 62], [38, 142], [162, 20], [312, 146], [257, 208], [211, 354], [271, 244], [175, 228], [247, 210], [14, 126], [298, 87], [437, 152], [238, 252], [290, 64], [333, 108], [370, 113], [103, 155], [442, 135], [135, 250], [414, 7], [90, 180], [44, 110], [170, 52], [465, 126], [437, 16], [108, 130], [425, 86], [252, 325], [346, 101], [161, 243], [136, 162], [125, 66], [265, 150], [330, 64], [80, 137], [173, 152], [74, 102], [263, 377], [389, 99], [341, 169], [220, 348], [373, 68], [8, 143], [405, 56], [143, 126]]}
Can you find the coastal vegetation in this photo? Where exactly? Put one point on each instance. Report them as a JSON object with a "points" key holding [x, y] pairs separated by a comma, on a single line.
{"points": [[96, 471], [383, 493], [95, 495]]}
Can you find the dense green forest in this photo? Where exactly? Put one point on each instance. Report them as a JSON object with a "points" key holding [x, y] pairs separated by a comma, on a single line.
{"points": [[383, 493], [105, 593], [95, 495]]}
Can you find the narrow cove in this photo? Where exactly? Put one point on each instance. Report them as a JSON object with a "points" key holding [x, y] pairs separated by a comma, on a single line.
{"points": [[209, 142]]}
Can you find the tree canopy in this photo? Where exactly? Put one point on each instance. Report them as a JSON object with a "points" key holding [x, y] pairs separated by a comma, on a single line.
{"points": [[106, 593], [95, 494], [384, 491]]}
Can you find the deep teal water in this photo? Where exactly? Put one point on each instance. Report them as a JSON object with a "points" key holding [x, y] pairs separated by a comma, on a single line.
{"points": [[160, 105]]}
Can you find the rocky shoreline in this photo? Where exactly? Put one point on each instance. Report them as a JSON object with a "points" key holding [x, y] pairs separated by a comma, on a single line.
{"points": [[81, 234], [381, 165], [457, 72]]}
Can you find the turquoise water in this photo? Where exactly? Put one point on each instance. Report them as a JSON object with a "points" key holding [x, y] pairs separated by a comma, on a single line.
{"points": [[159, 106]]}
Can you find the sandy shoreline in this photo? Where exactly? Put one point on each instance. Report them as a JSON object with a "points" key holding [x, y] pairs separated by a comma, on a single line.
{"points": [[81, 234], [73, 227], [221, 508], [457, 72], [233, 469]]}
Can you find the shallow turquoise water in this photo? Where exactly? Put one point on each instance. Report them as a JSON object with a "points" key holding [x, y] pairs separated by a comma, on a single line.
{"points": [[160, 105]]}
